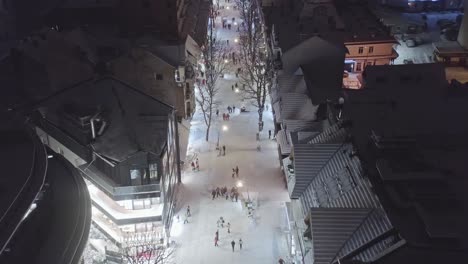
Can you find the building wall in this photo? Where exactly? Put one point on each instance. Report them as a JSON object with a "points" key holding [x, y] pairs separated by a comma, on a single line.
{"points": [[370, 54], [369, 49], [170, 169]]}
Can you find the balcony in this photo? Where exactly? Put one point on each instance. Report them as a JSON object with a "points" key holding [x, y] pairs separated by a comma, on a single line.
{"points": [[118, 192]]}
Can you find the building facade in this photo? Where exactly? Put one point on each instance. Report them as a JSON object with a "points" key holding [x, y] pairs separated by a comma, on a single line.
{"points": [[125, 144]]}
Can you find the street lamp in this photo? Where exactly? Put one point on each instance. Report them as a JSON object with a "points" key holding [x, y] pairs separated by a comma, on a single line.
{"points": [[236, 40], [240, 184], [225, 128], [237, 90], [226, 61]]}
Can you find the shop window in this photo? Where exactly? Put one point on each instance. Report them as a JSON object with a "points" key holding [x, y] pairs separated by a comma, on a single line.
{"points": [[153, 172], [136, 176], [361, 50], [371, 49]]}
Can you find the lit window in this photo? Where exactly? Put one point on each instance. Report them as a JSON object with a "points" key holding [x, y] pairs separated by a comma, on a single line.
{"points": [[361, 50]]}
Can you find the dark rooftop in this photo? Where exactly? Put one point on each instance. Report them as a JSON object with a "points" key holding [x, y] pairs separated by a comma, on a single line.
{"points": [[336, 21], [130, 121], [410, 139]]}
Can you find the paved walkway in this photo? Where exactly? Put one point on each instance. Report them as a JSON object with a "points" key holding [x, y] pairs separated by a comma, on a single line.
{"points": [[263, 237]]}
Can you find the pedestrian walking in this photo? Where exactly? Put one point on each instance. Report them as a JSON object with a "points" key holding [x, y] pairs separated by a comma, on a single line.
{"points": [[237, 171], [218, 223], [186, 219], [196, 164], [234, 108], [233, 244], [213, 193], [222, 222], [229, 109], [281, 261], [178, 219], [188, 211], [217, 112], [232, 87], [269, 134], [193, 166], [216, 241], [229, 227], [237, 196], [235, 85], [217, 233], [227, 42], [224, 146], [227, 196], [217, 191], [240, 243]]}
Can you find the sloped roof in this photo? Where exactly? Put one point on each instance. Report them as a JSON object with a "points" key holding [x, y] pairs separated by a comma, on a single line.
{"points": [[331, 228], [136, 121]]}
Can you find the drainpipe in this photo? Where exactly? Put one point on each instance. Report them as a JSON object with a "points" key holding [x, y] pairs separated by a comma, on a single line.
{"points": [[93, 132]]}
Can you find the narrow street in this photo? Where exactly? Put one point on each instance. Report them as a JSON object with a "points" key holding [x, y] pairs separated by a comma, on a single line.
{"points": [[263, 235]]}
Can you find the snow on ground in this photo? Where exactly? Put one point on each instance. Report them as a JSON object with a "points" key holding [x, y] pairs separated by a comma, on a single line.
{"points": [[264, 240]]}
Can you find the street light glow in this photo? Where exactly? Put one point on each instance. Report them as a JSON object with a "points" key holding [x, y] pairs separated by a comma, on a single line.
{"points": [[236, 40], [239, 184], [235, 23], [227, 8], [225, 61], [237, 90], [225, 128]]}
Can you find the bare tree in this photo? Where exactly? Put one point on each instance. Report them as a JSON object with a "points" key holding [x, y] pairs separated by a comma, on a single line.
{"points": [[255, 77], [214, 53], [146, 248]]}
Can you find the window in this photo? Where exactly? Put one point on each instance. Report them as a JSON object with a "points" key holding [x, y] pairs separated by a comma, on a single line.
{"points": [[371, 49], [153, 171], [159, 77], [361, 50], [136, 176], [369, 63], [358, 66]]}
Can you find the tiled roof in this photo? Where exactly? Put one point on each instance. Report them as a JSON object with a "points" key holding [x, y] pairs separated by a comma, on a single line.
{"points": [[309, 159], [296, 106], [331, 227], [333, 134]]}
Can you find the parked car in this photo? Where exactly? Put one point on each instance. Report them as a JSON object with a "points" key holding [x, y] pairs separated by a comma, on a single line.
{"points": [[410, 43], [459, 19], [443, 21], [408, 62], [412, 29]]}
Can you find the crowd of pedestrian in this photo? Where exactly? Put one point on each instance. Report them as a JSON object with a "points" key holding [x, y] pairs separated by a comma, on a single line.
{"points": [[223, 192]]}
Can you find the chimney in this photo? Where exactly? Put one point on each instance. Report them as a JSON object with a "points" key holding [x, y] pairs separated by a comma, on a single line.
{"points": [[463, 33]]}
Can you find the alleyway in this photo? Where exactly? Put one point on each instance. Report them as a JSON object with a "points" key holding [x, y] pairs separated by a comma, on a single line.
{"points": [[264, 240]]}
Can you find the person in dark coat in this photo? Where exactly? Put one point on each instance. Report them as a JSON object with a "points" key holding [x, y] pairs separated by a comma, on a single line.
{"points": [[213, 193], [237, 171], [240, 243], [224, 150], [269, 134], [233, 244]]}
